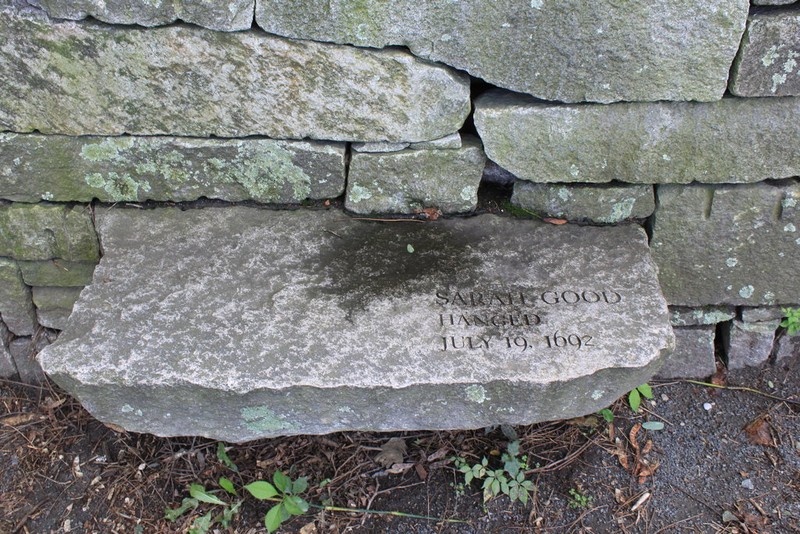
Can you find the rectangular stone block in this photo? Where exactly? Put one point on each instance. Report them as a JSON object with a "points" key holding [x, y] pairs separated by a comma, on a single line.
{"points": [[43, 232], [57, 273], [55, 318], [765, 313], [734, 140], [597, 203], [703, 316], [24, 350], [735, 245], [53, 298], [16, 306], [225, 16], [7, 367], [84, 78], [767, 62], [693, 356], [748, 344], [240, 323], [787, 347], [115, 169], [411, 180]]}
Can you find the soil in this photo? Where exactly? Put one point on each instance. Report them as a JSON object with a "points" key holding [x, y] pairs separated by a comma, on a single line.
{"points": [[727, 460]]}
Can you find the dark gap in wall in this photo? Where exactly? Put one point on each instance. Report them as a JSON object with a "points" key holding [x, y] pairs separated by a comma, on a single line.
{"points": [[650, 222], [493, 197], [720, 339]]}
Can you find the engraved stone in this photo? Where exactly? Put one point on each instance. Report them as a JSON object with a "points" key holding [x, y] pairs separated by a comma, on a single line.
{"points": [[295, 322]]}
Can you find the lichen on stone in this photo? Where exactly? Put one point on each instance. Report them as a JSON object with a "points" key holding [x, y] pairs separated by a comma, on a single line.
{"points": [[118, 188]]}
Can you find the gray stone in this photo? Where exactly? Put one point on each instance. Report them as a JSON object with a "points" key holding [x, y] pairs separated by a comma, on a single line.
{"points": [[7, 367], [57, 273], [83, 78], [495, 174], [693, 356], [767, 63], [42, 232], [54, 298], [703, 316], [16, 306], [379, 147], [595, 50], [224, 16], [54, 318], [736, 245], [24, 350], [599, 203], [449, 141], [772, 2], [787, 347], [312, 322], [734, 140], [748, 344], [766, 313], [411, 180], [116, 169]]}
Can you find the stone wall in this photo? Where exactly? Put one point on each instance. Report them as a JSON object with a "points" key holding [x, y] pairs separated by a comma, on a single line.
{"points": [[680, 115]]}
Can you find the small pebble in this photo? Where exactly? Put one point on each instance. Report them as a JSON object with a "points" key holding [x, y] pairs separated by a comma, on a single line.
{"points": [[664, 397], [707, 406], [748, 484]]}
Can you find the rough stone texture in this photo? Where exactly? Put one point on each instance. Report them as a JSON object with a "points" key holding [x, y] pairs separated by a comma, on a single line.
{"points": [[767, 63], [43, 232], [579, 50], [82, 78], [495, 174], [787, 347], [599, 203], [55, 319], [297, 322], [772, 2], [767, 313], [736, 245], [7, 367], [748, 344], [734, 140], [51, 298], [115, 169], [24, 350], [57, 273], [16, 306], [693, 356], [379, 147], [448, 141], [704, 316], [224, 16], [410, 180]]}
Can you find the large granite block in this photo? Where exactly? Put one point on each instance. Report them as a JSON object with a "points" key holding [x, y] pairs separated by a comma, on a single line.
{"points": [[33, 232], [570, 51], [84, 78], [598, 203], [115, 169], [294, 322], [16, 307], [693, 356], [748, 344], [213, 14], [734, 140], [736, 245], [767, 63], [411, 180]]}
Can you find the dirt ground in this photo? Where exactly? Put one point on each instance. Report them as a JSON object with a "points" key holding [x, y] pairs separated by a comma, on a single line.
{"points": [[727, 460]]}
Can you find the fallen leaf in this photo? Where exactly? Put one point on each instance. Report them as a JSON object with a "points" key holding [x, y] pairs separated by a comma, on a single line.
{"points": [[429, 213], [588, 421], [438, 455], [115, 428], [719, 378], [326, 203], [758, 432], [309, 528], [633, 434], [421, 472], [15, 420], [392, 452], [557, 222], [396, 469], [647, 447]]}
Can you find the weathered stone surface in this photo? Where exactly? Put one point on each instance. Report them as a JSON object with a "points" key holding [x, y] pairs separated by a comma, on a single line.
{"points": [[51, 298], [448, 141], [693, 356], [224, 16], [379, 147], [312, 322], [734, 140], [43, 232], [599, 203], [55, 318], [772, 2], [410, 180], [787, 347], [81, 78], [598, 50], [57, 273], [495, 174], [114, 169], [704, 316], [766, 313], [16, 306], [736, 245], [24, 350], [7, 367], [767, 63], [748, 344]]}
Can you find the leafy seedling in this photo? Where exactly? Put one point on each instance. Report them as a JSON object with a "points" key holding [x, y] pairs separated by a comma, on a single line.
{"points": [[286, 493], [791, 322], [509, 480], [635, 396]]}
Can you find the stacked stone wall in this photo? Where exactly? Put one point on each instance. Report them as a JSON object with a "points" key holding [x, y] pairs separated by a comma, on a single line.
{"points": [[679, 115]]}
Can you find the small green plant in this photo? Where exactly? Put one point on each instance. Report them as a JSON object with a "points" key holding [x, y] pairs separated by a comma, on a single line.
{"points": [[635, 396], [607, 414], [509, 480], [791, 322], [578, 499]]}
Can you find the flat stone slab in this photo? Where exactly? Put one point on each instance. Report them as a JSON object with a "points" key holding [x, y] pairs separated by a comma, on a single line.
{"points": [[294, 322], [84, 78]]}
